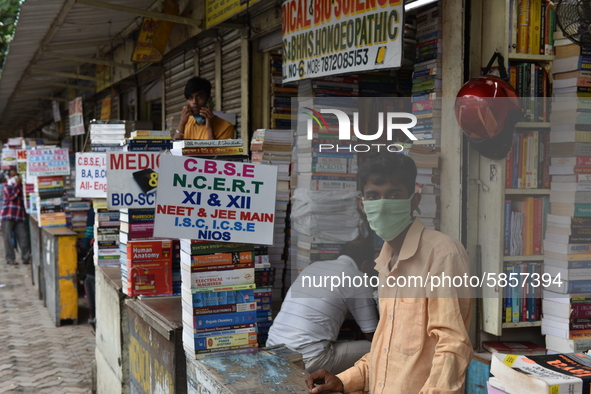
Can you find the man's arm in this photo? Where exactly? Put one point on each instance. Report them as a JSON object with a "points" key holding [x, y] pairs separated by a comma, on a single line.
{"points": [[448, 319], [179, 133]]}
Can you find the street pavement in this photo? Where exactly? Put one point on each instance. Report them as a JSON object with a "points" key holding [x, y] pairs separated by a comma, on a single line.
{"points": [[35, 355]]}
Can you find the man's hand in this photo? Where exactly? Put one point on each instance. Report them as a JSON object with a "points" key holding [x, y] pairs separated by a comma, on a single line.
{"points": [[325, 381], [185, 113], [207, 113]]}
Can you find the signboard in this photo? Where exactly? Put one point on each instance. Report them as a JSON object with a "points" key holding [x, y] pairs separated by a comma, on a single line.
{"points": [[55, 109], [91, 175], [215, 200], [154, 34], [75, 115], [132, 179], [217, 11], [323, 38], [106, 108], [8, 158], [46, 162], [21, 161]]}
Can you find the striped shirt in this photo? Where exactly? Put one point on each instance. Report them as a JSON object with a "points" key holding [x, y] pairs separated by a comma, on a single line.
{"points": [[13, 207], [311, 316]]}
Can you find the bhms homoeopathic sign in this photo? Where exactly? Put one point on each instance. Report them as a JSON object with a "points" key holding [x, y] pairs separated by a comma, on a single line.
{"points": [[327, 37], [215, 200]]}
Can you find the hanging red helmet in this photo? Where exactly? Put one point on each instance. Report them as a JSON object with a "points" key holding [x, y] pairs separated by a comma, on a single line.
{"points": [[487, 109]]}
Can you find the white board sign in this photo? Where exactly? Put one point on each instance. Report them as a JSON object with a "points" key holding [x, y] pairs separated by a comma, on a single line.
{"points": [[132, 178], [48, 162], [91, 175], [215, 200]]}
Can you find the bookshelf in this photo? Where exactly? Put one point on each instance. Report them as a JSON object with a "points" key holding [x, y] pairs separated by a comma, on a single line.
{"points": [[494, 191]]}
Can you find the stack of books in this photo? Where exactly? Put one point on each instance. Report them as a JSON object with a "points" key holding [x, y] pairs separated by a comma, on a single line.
{"points": [[106, 234], [146, 267], [427, 159], [208, 148], [218, 301], [426, 78], [136, 224], [149, 140], [567, 242], [281, 109], [77, 214], [8, 158], [264, 294], [49, 195], [107, 135], [555, 373], [531, 24], [274, 147]]}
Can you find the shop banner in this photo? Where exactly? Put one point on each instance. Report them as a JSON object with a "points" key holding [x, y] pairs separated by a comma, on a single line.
{"points": [[106, 108], [132, 178], [8, 158], [91, 175], [215, 200], [217, 11], [75, 115], [47, 162], [55, 109], [327, 37], [153, 37], [21, 161]]}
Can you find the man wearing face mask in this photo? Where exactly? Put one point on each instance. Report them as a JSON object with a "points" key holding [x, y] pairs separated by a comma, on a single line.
{"points": [[421, 344]]}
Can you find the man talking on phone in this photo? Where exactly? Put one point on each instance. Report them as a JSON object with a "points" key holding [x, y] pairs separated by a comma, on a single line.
{"points": [[197, 119]]}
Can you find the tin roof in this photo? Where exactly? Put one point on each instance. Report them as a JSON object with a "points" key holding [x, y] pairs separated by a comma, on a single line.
{"points": [[54, 36]]}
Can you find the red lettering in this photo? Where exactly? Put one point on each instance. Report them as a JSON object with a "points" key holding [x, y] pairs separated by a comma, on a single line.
{"points": [[339, 9], [116, 162], [293, 19], [359, 7], [210, 167], [370, 4], [248, 171], [130, 162], [284, 9], [327, 10], [190, 168]]}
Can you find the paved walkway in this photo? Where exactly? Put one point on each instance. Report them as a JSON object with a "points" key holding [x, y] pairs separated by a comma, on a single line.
{"points": [[35, 355]]}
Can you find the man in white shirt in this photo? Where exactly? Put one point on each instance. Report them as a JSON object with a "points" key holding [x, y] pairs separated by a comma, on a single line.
{"points": [[311, 314]]}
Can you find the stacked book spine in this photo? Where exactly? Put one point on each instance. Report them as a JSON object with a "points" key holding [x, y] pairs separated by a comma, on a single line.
{"points": [[49, 191], [274, 147], [208, 148], [566, 305], [106, 234], [281, 110], [218, 299], [146, 267], [107, 135], [531, 24], [426, 78], [149, 140]]}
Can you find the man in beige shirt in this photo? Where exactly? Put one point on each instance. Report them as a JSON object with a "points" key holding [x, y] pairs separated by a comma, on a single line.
{"points": [[197, 119], [421, 344]]}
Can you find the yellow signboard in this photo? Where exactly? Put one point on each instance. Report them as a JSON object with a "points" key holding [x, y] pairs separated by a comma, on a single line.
{"points": [[106, 109], [153, 37], [217, 11]]}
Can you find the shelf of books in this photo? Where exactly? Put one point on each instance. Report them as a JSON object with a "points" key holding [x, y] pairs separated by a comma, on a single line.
{"points": [[518, 187], [567, 244]]}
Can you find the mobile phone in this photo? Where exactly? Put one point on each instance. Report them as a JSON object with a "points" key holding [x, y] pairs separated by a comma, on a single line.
{"points": [[200, 120]]}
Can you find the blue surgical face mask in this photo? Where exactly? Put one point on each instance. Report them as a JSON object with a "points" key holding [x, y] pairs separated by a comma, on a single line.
{"points": [[387, 217]]}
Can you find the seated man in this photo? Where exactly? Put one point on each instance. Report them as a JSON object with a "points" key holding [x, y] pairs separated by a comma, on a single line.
{"points": [[311, 315], [197, 119], [421, 344]]}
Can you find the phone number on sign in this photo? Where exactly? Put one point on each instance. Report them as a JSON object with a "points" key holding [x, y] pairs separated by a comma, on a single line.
{"points": [[337, 61]]}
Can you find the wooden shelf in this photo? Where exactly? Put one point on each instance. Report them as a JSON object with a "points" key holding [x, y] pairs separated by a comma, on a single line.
{"points": [[523, 324], [532, 125], [528, 57], [533, 257], [542, 192]]}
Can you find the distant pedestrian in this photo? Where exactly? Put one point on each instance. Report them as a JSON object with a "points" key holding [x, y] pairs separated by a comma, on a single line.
{"points": [[13, 219]]}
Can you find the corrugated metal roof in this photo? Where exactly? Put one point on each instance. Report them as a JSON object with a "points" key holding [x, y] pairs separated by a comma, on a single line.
{"points": [[53, 22]]}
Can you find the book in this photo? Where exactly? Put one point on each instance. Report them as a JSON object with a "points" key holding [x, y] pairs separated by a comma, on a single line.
{"points": [[513, 347], [563, 345], [566, 310], [559, 373], [218, 278]]}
